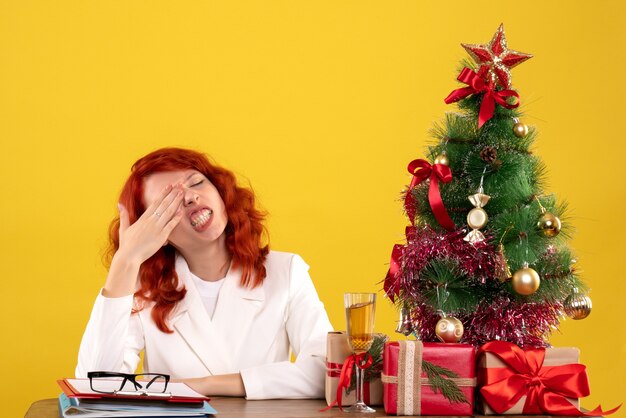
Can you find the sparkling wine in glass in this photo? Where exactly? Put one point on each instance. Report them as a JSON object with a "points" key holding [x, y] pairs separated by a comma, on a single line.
{"points": [[360, 311]]}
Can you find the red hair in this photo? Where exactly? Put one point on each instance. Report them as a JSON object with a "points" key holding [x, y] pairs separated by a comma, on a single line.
{"points": [[245, 231]]}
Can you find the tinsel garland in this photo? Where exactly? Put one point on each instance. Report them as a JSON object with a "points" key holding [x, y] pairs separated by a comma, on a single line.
{"points": [[497, 318], [425, 244], [522, 323], [501, 319]]}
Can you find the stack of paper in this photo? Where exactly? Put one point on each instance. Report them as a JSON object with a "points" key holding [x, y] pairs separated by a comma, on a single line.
{"points": [[78, 400]]}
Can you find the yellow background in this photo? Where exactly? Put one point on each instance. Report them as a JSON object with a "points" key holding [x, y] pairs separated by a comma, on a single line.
{"points": [[321, 104]]}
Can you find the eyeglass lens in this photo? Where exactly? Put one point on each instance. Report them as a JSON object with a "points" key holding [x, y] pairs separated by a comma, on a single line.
{"points": [[111, 382]]}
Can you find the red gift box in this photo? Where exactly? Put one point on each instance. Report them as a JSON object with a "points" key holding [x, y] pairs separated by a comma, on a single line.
{"points": [[407, 390]]}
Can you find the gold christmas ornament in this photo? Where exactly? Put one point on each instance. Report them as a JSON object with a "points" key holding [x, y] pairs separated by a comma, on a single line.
{"points": [[405, 327], [477, 217], [549, 225], [525, 281], [442, 159], [577, 305], [479, 199], [449, 330], [474, 236], [503, 271], [520, 130]]}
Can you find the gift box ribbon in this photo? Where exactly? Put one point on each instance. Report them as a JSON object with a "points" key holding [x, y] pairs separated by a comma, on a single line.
{"points": [[334, 370], [546, 388], [362, 361], [409, 398]]}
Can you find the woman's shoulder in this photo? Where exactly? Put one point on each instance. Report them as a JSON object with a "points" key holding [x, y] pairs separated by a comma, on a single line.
{"points": [[285, 269], [284, 260]]}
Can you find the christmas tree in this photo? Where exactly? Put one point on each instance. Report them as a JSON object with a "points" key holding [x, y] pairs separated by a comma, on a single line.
{"points": [[486, 255]]}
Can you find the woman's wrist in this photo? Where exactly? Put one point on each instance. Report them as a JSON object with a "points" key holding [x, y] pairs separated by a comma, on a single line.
{"points": [[122, 278], [127, 257]]}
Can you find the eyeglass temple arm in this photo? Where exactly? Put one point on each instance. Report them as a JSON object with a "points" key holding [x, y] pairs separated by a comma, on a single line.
{"points": [[133, 381], [160, 376]]}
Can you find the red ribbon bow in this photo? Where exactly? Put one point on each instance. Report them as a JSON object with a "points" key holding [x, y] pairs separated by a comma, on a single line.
{"points": [[545, 388], [392, 285], [421, 170], [362, 361], [476, 84], [391, 281]]}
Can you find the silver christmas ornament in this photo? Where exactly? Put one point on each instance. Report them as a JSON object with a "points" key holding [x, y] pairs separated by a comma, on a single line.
{"points": [[405, 326]]}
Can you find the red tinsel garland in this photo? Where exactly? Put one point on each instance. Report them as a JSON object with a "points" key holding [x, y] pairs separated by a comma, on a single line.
{"points": [[477, 260], [501, 320], [498, 319]]}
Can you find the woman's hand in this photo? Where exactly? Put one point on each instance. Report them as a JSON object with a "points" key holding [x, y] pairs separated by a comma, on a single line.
{"points": [[141, 240]]}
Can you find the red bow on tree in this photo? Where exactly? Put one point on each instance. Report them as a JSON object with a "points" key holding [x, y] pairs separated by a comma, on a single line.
{"points": [[545, 388], [421, 170], [476, 84], [391, 285]]}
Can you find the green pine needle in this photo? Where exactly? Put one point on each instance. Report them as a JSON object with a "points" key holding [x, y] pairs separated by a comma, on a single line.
{"points": [[446, 288], [439, 380]]}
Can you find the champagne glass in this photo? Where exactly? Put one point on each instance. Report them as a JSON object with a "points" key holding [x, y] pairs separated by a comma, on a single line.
{"points": [[360, 310]]}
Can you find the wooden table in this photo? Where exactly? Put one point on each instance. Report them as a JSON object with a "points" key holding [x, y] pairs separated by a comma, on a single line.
{"points": [[236, 407], [239, 407]]}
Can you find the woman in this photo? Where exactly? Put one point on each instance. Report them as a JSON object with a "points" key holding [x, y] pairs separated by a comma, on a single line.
{"points": [[191, 284]]}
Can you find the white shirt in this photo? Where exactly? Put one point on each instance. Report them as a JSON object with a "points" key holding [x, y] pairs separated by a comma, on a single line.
{"points": [[253, 332], [208, 292]]}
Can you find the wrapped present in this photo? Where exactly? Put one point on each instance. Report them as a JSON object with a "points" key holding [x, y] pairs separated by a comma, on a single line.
{"points": [[428, 378], [533, 381], [339, 357]]}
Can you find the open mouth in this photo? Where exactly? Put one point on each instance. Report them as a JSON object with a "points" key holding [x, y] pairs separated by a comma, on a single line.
{"points": [[201, 217]]}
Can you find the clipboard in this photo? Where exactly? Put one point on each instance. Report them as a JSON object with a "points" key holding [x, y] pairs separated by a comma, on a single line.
{"points": [[178, 392]]}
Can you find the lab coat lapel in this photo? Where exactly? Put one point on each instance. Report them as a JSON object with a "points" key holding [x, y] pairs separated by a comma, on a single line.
{"points": [[192, 321], [237, 307]]}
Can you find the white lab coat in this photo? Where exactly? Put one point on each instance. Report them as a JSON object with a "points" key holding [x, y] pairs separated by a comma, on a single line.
{"points": [[251, 332]]}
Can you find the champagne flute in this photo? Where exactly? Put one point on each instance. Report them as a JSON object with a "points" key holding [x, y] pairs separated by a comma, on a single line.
{"points": [[360, 310]]}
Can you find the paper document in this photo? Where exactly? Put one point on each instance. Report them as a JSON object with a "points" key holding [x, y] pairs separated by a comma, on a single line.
{"points": [[176, 389]]}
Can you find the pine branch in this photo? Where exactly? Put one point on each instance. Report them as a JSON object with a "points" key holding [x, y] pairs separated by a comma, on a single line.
{"points": [[455, 128], [439, 380], [446, 288]]}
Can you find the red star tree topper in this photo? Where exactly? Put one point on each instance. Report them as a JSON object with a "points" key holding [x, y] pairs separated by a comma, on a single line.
{"points": [[495, 59]]}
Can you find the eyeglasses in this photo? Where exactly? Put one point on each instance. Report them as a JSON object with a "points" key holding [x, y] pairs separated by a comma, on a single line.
{"points": [[142, 384]]}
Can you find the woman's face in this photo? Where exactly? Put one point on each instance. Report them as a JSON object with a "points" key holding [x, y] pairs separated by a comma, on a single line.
{"points": [[204, 213]]}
